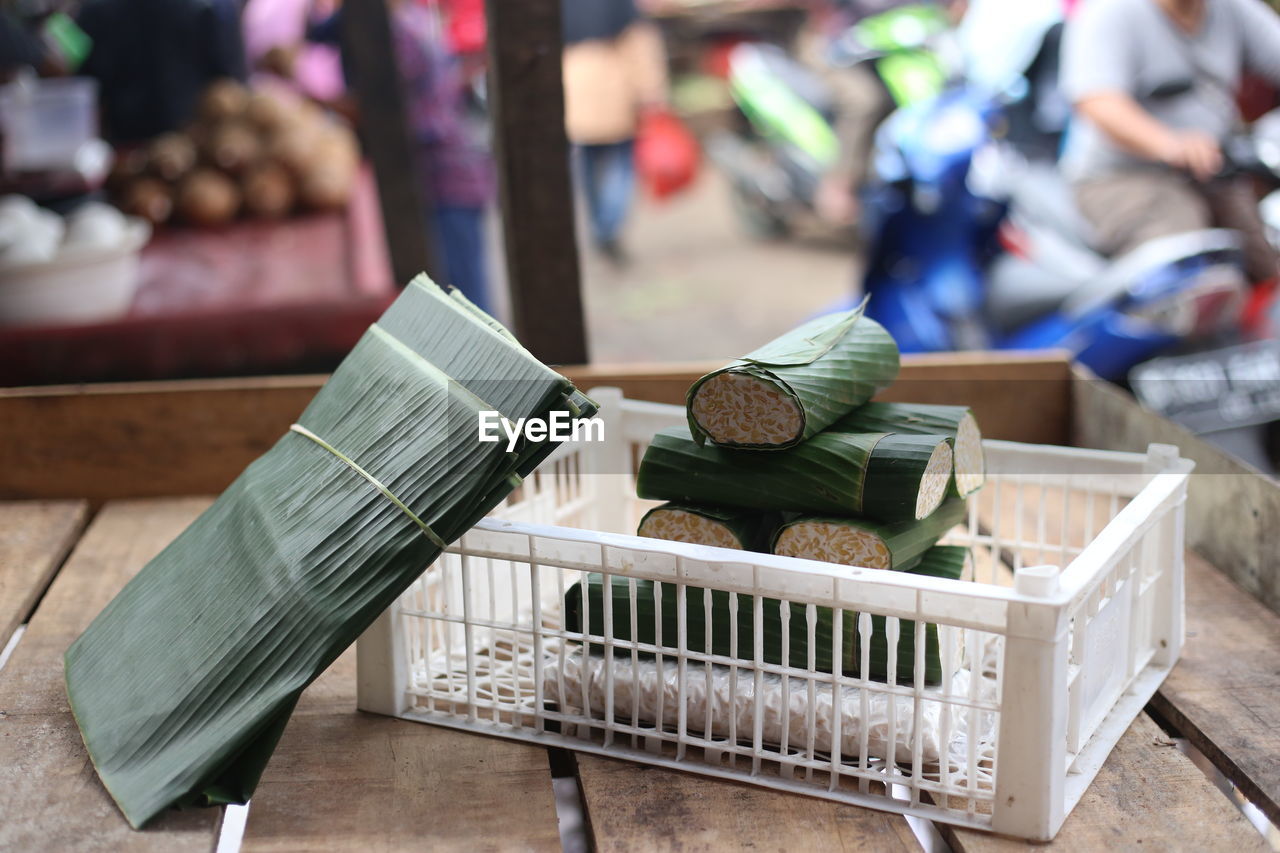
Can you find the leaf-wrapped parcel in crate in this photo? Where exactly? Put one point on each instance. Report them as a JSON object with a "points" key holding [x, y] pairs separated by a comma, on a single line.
{"points": [[711, 622], [957, 423], [795, 386], [741, 529], [886, 477], [857, 542], [182, 685]]}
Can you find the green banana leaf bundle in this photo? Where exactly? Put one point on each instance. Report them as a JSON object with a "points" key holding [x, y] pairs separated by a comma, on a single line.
{"points": [[941, 561], [957, 423], [183, 684], [795, 386], [886, 477]]}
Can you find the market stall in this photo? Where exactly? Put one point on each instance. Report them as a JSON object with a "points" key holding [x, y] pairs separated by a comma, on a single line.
{"points": [[263, 216], [96, 481]]}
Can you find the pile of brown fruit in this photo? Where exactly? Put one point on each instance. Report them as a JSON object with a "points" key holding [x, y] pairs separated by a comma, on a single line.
{"points": [[252, 153]]}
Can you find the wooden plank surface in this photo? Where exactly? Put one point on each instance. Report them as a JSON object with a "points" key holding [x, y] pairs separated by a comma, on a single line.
{"points": [[108, 442], [1233, 512], [531, 153], [34, 539], [344, 780], [1224, 694], [50, 796], [1147, 796], [193, 437], [634, 807]]}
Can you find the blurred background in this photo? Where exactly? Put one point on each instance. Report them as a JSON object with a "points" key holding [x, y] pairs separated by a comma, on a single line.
{"points": [[227, 187]]}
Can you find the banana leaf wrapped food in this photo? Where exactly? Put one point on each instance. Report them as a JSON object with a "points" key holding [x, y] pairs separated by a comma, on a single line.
{"points": [[955, 422], [658, 613], [795, 386], [885, 477], [183, 684], [857, 542], [743, 530]]}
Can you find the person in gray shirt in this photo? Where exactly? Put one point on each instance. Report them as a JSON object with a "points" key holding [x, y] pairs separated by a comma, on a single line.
{"points": [[1153, 84]]}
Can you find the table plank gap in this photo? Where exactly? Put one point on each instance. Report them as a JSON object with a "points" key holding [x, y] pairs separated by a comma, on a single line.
{"points": [[46, 778], [35, 538], [637, 807], [1222, 694], [344, 780]]}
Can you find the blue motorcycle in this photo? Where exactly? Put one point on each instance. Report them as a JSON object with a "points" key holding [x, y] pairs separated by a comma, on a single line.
{"points": [[974, 246], [929, 234]]}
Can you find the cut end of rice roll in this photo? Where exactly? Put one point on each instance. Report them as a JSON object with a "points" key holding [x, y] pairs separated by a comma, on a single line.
{"points": [[739, 409], [970, 462], [834, 542], [682, 525], [957, 423], [908, 477], [935, 480], [859, 542]]}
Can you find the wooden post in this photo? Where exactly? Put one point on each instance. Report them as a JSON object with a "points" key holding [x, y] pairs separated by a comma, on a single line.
{"points": [[370, 53], [532, 156]]}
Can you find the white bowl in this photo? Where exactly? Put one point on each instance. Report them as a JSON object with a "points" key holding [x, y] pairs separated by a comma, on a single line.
{"points": [[78, 286]]}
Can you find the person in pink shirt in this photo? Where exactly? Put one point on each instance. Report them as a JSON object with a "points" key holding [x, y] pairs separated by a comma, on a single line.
{"points": [[275, 41]]}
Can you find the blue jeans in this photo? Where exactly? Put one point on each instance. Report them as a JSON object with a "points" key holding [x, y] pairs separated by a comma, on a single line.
{"points": [[608, 178], [460, 245]]}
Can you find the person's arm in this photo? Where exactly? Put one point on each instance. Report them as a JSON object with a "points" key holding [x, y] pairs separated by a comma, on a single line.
{"points": [[1100, 54], [1260, 28], [1131, 127], [647, 61]]}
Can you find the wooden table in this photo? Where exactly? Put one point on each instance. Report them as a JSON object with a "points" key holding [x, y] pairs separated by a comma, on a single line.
{"points": [[342, 779]]}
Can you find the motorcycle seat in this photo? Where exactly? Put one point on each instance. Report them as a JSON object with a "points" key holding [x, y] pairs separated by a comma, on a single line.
{"points": [[1041, 197], [1136, 265]]}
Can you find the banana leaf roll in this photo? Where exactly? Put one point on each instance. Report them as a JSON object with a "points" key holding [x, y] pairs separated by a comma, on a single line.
{"points": [[795, 386], [886, 477], [957, 423], [725, 617], [744, 530], [858, 542]]}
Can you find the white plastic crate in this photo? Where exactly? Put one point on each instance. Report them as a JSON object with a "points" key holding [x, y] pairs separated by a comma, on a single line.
{"points": [[1043, 669]]}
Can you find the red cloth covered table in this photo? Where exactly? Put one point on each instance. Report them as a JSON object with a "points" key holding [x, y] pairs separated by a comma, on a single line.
{"points": [[254, 297]]}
